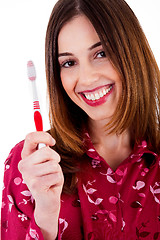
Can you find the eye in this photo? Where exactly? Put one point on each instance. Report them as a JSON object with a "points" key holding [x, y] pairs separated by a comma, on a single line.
{"points": [[67, 64], [101, 54]]}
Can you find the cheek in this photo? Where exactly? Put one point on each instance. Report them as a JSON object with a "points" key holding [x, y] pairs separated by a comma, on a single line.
{"points": [[67, 83], [63, 80]]}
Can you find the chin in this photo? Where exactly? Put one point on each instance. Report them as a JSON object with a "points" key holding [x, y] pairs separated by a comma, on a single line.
{"points": [[99, 117]]}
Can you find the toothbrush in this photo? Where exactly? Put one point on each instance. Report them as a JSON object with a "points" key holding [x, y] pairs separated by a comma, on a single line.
{"points": [[36, 107]]}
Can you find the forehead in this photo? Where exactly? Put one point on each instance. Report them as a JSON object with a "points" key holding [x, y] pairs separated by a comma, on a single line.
{"points": [[78, 32]]}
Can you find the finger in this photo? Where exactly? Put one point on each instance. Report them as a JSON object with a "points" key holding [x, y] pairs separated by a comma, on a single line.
{"points": [[49, 181], [38, 157], [42, 169], [42, 155], [33, 139], [41, 185], [47, 168]]}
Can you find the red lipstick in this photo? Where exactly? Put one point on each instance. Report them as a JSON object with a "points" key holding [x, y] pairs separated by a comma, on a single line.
{"points": [[99, 101]]}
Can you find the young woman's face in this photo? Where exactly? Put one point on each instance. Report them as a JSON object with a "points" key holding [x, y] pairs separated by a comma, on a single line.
{"points": [[87, 75]]}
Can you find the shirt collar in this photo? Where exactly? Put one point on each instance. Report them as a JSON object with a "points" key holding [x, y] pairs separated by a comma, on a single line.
{"points": [[138, 151]]}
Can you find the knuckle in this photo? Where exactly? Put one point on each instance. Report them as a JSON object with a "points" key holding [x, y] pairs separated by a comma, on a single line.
{"points": [[49, 138], [23, 153], [22, 169], [57, 157], [51, 154], [34, 184], [58, 168], [29, 136], [53, 166], [26, 146], [20, 166], [47, 151], [60, 176]]}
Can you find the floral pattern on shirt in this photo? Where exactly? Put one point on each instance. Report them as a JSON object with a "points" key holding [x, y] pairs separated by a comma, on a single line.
{"points": [[110, 205]]}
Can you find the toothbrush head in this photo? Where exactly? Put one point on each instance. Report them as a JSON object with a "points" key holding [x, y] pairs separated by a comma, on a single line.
{"points": [[31, 71]]}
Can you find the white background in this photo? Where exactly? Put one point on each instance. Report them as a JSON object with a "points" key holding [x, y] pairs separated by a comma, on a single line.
{"points": [[22, 37]]}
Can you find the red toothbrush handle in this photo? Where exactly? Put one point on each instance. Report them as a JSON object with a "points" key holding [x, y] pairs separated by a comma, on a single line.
{"points": [[38, 121]]}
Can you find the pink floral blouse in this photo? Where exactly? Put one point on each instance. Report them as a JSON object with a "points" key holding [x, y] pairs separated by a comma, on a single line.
{"points": [[113, 205]]}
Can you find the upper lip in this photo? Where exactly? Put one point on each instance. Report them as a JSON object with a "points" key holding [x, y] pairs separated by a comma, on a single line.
{"points": [[95, 89]]}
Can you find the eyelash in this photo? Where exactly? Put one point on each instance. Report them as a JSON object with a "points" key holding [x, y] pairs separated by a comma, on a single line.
{"points": [[63, 65], [72, 62], [104, 55]]}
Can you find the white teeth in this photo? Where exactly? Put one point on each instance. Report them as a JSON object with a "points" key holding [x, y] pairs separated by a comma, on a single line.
{"points": [[89, 97], [101, 94], [98, 95], [104, 92], [92, 97]]}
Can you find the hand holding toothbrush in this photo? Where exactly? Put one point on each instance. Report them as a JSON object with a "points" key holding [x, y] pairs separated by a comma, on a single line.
{"points": [[42, 174], [36, 106]]}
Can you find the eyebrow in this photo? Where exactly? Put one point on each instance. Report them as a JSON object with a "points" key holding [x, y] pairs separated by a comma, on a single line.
{"points": [[95, 45], [90, 48]]}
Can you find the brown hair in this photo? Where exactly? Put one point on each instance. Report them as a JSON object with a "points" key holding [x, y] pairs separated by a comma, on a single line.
{"points": [[128, 50]]}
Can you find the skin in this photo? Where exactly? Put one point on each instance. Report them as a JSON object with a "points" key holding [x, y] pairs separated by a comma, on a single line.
{"points": [[43, 175], [84, 67]]}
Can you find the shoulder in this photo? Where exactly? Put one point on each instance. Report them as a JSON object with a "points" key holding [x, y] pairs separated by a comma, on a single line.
{"points": [[15, 152], [18, 147]]}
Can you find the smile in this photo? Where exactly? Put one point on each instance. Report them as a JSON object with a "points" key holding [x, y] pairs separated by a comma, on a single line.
{"points": [[99, 94], [97, 97]]}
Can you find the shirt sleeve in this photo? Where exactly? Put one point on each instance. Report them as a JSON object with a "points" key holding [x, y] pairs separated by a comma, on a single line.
{"points": [[17, 213]]}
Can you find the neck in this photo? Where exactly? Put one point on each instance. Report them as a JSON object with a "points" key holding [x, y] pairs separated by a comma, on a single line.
{"points": [[98, 133], [114, 148]]}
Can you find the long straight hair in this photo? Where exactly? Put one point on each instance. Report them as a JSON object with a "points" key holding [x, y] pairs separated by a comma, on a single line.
{"points": [[127, 48]]}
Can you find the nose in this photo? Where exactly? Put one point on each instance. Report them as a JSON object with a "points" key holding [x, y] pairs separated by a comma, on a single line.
{"points": [[88, 74]]}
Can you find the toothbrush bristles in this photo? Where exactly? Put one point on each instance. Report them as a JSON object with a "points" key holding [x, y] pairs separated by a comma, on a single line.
{"points": [[31, 71]]}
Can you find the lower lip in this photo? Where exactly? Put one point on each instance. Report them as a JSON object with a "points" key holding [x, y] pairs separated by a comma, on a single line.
{"points": [[94, 103]]}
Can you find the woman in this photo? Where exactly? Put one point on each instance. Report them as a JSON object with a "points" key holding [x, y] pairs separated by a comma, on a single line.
{"points": [[98, 176]]}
